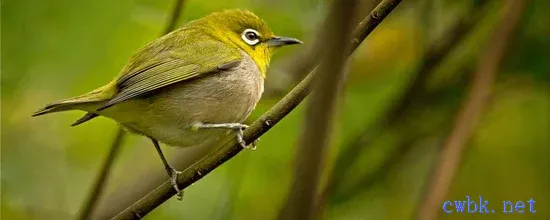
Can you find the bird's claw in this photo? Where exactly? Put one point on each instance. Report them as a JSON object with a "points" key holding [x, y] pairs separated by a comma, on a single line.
{"points": [[255, 144], [237, 127], [173, 181], [241, 141]]}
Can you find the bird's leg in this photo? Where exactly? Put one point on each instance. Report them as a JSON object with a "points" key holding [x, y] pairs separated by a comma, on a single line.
{"points": [[237, 127], [172, 173]]}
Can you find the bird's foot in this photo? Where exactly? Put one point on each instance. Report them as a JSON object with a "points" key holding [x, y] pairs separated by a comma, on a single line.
{"points": [[240, 135], [237, 127], [173, 181], [254, 144]]}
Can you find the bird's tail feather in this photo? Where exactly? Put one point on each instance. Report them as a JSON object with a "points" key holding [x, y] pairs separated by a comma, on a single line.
{"points": [[84, 102], [88, 116], [65, 105]]}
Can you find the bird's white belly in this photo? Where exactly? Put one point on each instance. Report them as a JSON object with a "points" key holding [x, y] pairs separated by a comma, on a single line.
{"points": [[224, 97]]}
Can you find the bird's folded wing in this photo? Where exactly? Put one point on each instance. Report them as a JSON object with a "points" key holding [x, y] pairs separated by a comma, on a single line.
{"points": [[152, 79], [174, 66]]}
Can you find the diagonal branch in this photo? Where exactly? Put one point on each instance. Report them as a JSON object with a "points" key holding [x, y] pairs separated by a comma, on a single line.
{"points": [[315, 140], [106, 168], [468, 117], [405, 145], [432, 57], [259, 127]]}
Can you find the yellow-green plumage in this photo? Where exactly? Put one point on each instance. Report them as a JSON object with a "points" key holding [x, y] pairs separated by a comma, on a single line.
{"points": [[204, 72]]}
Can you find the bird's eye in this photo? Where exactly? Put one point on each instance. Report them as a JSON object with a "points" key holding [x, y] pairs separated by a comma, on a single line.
{"points": [[251, 37]]}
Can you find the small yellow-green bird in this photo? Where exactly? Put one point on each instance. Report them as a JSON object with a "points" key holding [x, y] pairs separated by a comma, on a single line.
{"points": [[190, 87]]}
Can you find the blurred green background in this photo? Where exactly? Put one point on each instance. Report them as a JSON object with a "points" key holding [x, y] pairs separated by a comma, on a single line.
{"points": [[61, 48]]}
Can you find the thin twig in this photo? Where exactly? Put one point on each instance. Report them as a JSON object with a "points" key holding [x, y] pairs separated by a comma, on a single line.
{"points": [[432, 57], [174, 17], [256, 129], [429, 102], [467, 119], [134, 188], [116, 144], [306, 57], [99, 185], [302, 199]]}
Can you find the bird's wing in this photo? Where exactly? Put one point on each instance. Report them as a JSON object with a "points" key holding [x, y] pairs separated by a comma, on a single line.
{"points": [[163, 62]]}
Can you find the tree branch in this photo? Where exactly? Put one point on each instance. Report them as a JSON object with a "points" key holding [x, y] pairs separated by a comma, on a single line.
{"points": [[434, 100], [255, 130], [432, 57], [105, 171], [281, 79], [302, 199], [468, 117], [174, 17], [106, 168]]}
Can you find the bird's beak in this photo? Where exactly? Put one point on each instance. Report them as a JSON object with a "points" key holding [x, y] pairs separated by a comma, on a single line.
{"points": [[282, 41]]}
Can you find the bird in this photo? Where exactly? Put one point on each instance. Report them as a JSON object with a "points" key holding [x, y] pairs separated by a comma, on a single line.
{"points": [[190, 87]]}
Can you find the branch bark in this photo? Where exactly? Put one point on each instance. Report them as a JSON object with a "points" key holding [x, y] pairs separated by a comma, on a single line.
{"points": [[432, 57], [106, 168], [302, 199], [467, 119], [281, 79], [255, 130]]}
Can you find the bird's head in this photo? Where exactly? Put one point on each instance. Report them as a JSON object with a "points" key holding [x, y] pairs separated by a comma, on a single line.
{"points": [[244, 30]]}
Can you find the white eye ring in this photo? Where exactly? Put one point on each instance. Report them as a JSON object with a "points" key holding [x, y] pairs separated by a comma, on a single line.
{"points": [[251, 37]]}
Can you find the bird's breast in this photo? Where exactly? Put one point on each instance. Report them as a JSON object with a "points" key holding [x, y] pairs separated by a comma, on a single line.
{"points": [[224, 97]]}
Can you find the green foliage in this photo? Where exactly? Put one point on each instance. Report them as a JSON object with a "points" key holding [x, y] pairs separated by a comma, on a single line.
{"points": [[61, 48]]}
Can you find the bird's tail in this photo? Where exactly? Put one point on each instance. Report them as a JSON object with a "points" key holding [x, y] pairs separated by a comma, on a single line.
{"points": [[64, 105], [84, 102]]}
